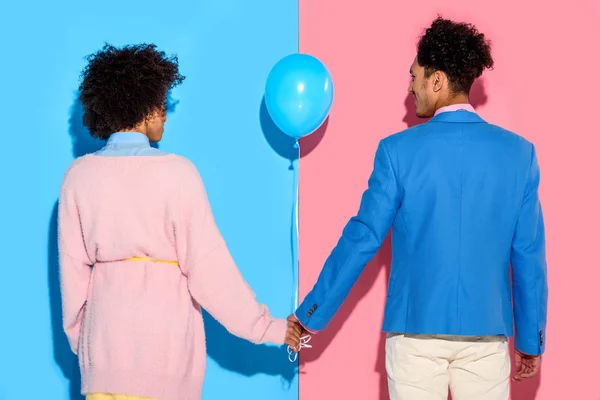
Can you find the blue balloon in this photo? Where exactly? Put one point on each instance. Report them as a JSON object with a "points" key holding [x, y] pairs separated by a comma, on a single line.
{"points": [[298, 94]]}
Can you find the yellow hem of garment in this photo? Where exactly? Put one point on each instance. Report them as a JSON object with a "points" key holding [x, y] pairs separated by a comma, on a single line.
{"points": [[151, 260]]}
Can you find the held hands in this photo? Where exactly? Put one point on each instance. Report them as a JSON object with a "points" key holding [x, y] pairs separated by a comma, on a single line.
{"points": [[297, 337], [526, 365], [294, 333]]}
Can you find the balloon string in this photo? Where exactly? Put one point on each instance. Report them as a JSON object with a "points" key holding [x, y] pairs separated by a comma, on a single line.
{"points": [[293, 356], [295, 230]]}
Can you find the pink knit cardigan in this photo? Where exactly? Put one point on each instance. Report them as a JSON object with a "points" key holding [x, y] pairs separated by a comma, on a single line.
{"points": [[136, 325]]}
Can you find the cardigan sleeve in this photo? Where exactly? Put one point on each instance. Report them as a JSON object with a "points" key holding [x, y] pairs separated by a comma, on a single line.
{"points": [[214, 280], [75, 265]]}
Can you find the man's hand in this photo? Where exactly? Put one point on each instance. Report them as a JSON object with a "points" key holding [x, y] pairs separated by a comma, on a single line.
{"points": [[526, 365], [293, 334]]}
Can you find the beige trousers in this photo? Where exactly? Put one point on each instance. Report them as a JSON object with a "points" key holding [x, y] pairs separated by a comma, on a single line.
{"points": [[423, 367]]}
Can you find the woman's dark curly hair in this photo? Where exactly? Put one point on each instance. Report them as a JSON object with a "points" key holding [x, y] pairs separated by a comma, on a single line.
{"points": [[457, 49], [120, 87]]}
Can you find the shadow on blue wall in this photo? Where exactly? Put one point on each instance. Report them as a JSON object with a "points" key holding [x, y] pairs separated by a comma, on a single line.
{"points": [[64, 357], [228, 351], [282, 144], [245, 358], [82, 144]]}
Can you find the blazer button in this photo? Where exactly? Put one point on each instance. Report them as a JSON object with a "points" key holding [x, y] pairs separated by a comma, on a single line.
{"points": [[308, 314]]}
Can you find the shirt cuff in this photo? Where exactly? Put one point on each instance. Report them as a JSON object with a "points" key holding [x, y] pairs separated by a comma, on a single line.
{"points": [[305, 328]]}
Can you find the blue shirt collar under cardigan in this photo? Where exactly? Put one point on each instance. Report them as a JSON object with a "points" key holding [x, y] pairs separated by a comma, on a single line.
{"points": [[121, 144], [128, 138]]}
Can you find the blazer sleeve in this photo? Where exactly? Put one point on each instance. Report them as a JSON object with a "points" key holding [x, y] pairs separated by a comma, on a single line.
{"points": [[529, 277], [360, 241]]}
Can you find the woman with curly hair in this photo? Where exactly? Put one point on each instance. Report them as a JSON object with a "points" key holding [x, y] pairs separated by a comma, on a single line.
{"points": [[139, 249]]}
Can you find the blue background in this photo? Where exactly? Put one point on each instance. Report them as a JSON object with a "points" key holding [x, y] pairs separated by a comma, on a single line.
{"points": [[226, 49]]}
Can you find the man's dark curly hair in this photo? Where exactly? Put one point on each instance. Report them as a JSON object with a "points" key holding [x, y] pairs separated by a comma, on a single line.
{"points": [[120, 87], [457, 49]]}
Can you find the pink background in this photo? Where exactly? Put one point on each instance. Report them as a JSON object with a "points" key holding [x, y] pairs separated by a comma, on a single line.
{"points": [[545, 86]]}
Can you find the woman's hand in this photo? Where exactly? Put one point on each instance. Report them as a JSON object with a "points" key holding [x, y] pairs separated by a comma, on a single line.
{"points": [[293, 334]]}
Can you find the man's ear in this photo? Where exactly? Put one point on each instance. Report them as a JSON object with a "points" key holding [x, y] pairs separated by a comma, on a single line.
{"points": [[438, 80]]}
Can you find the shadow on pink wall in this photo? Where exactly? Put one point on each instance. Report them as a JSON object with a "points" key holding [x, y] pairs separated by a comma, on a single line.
{"points": [[519, 391]]}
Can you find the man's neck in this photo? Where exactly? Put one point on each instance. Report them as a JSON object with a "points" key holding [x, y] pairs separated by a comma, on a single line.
{"points": [[453, 100]]}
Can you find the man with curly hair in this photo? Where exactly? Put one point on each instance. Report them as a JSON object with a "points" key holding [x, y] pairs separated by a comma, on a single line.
{"points": [[460, 196], [139, 248]]}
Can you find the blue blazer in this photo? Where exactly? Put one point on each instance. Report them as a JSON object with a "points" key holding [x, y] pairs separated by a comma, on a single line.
{"points": [[461, 198]]}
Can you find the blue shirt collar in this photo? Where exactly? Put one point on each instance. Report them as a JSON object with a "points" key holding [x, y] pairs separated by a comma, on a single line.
{"points": [[128, 138]]}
